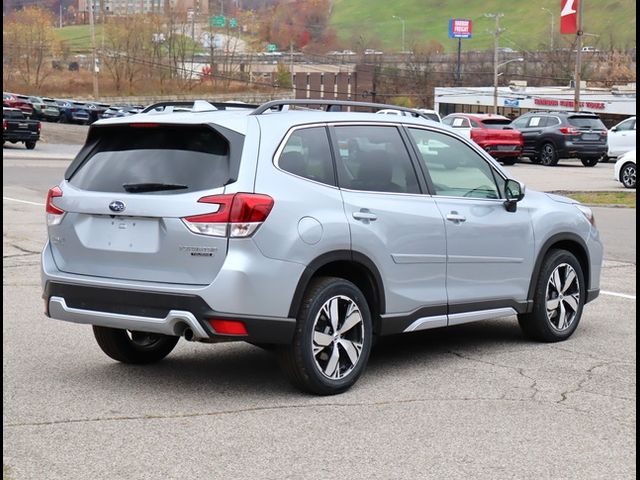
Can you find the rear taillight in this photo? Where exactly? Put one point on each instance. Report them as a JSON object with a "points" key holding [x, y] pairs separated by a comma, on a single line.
{"points": [[569, 131], [54, 214], [238, 215], [39, 127], [5, 125]]}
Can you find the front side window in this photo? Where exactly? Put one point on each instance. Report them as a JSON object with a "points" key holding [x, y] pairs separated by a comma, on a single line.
{"points": [[627, 125], [374, 159], [308, 155], [456, 170]]}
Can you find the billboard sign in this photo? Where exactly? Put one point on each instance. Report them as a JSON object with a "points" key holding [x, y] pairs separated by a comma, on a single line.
{"points": [[459, 28], [569, 16]]}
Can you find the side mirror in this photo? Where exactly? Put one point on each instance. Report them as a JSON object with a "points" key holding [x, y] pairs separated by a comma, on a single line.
{"points": [[614, 129], [514, 191]]}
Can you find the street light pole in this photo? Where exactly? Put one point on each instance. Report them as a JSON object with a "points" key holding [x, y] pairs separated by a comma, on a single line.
{"points": [[496, 39], [403, 30], [576, 99], [552, 23], [93, 51], [495, 80]]}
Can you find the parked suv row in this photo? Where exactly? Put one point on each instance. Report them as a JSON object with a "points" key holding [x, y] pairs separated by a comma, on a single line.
{"points": [[306, 231]]}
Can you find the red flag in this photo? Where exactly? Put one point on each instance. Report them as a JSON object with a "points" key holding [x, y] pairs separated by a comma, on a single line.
{"points": [[569, 16]]}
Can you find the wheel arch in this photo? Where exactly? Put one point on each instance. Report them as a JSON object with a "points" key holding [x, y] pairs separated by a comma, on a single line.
{"points": [[349, 265], [562, 241]]}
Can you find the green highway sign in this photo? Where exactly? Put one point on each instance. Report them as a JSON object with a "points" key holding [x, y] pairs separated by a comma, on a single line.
{"points": [[272, 47], [217, 21], [233, 23]]}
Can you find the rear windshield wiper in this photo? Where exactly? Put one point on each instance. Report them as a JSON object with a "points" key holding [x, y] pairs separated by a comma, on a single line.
{"points": [[152, 187]]}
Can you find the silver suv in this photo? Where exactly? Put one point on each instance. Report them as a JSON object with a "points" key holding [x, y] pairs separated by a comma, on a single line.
{"points": [[309, 231]]}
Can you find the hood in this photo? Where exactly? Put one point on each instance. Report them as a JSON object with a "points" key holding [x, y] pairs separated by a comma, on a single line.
{"points": [[561, 199]]}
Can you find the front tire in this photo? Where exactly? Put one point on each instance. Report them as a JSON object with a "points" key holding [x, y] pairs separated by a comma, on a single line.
{"points": [[628, 175], [558, 299], [134, 347], [333, 337], [508, 161]]}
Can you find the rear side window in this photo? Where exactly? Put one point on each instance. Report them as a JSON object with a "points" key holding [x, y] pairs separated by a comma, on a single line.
{"points": [[308, 155], [431, 116], [159, 159], [374, 159], [593, 123]]}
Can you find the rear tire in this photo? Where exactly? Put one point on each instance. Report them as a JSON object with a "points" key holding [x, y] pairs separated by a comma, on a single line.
{"points": [[509, 161], [604, 159], [589, 162], [333, 337], [558, 299], [30, 145], [548, 155], [134, 347]]}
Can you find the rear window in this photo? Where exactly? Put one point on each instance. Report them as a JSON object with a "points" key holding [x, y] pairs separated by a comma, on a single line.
{"points": [[13, 114], [593, 123], [496, 123], [162, 159]]}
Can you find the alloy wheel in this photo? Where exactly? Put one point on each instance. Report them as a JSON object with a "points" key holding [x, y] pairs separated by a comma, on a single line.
{"points": [[563, 297], [628, 176], [338, 337]]}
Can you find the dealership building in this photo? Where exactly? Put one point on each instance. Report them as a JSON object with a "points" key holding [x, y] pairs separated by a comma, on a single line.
{"points": [[612, 104]]}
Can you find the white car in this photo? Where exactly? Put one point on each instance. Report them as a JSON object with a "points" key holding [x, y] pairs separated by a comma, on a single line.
{"points": [[430, 114], [621, 138], [625, 169]]}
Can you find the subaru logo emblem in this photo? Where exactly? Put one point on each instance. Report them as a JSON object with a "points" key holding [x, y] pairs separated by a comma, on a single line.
{"points": [[117, 206]]}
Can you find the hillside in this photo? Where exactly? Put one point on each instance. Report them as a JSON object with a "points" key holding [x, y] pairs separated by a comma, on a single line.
{"points": [[528, 26]]}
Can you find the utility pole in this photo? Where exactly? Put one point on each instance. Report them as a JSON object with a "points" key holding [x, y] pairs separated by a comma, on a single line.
{"points": [[60, 13], [403, 30], [579, 33], [552, 28], [93, 51], [496, 41]]}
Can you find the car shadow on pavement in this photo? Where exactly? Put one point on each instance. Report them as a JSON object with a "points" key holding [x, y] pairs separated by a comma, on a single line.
{"points": [[239, 369]]}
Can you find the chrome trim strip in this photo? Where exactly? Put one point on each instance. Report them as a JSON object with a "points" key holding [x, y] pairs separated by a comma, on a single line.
{"points": [[169, 325], [466, 317], [426, 323], [403, 258], [480, 259]]}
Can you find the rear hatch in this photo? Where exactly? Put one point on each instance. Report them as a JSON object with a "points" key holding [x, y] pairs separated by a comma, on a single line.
{"points": [[125, 196], [587, 129], [495, 133]]}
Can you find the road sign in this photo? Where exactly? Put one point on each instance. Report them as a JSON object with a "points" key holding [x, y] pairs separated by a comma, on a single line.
{"points": [[272, 47], [217, 21], [459, 28], [233, 23]]}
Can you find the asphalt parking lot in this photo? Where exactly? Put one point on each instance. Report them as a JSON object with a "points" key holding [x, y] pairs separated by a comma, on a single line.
{"points": [[474, 401]]}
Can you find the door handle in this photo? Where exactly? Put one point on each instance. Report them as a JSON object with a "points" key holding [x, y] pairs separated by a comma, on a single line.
{"points": [[455, 217], [365, 215]]}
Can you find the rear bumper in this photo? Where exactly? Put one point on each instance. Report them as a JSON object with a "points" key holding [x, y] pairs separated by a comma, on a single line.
{"points": [[20, 136], [156, 312], [572, 150]]}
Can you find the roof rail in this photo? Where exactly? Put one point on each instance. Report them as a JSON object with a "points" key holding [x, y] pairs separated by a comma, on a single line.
{"points": [[331, 105], [199, 105]]}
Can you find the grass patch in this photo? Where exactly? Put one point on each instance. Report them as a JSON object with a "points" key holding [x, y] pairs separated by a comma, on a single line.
{"points": [[619, 199]]}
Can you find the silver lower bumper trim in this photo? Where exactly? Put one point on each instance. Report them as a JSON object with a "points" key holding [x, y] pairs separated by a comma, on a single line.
{"points": [[174, 323]]}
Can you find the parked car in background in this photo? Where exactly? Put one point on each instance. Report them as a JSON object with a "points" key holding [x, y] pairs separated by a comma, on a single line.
{"points": [[621, 139], [551, 136], [73, 112], [121, 110], [12, 100], [624, 170], [95, 110], [492, 132], [16, 127], [429, 114], [44, 110]]}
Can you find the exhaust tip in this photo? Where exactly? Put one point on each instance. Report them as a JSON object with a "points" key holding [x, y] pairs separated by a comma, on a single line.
{"points": [[188, 334]]}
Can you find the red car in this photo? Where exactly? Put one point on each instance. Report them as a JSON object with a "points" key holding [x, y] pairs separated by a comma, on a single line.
{"points": [[491, 132], [11, 100]]}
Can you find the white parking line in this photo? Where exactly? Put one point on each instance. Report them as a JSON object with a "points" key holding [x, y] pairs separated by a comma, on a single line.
{"points": [[23, 201], [616, 294]]}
